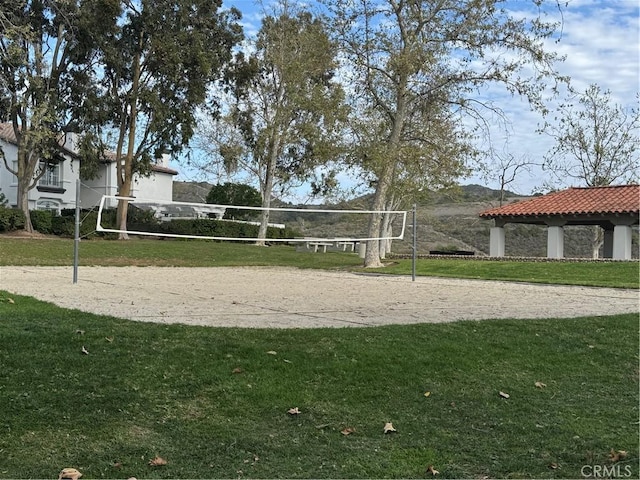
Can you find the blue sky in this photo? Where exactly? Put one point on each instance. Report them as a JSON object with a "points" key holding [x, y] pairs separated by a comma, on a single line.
{"points": [[601, 42]]}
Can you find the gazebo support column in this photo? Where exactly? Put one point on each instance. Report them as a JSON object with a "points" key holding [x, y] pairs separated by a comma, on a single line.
{"points": [[622, 242], [496, 241], [555, 240]]}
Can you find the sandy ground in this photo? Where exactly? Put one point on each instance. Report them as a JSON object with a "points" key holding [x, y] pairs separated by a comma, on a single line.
{"points": [[290, 298]]}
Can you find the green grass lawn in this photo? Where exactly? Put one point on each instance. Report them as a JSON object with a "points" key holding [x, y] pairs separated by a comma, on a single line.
{"points": [[161, 253], [213, 402], [145, 252], [596, 274]]}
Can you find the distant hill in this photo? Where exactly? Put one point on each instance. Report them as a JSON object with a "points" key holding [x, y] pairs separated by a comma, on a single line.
{"points": [[468, 193], [191, 191]]}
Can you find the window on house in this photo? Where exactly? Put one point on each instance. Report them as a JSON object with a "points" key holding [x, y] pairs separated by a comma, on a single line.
{"points": [[51, 177], [48, 204]]}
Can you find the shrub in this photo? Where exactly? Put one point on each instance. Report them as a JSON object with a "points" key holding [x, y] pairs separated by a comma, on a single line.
{"points": [[11, 219], [42, 220], [145, 221], [220, 228], [137, 219]]}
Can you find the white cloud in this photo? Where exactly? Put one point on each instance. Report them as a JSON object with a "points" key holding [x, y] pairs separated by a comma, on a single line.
{"points": [[601, 42]]}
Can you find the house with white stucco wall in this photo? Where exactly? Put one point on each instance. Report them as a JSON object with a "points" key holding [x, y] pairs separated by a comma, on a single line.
{"points": [[56, 189]]}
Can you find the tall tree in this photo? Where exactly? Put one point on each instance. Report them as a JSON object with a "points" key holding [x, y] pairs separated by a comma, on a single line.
{"points": [[429, 158], [414, 58], [157, 72], [48, 51], [596, 140], [282, 121]]}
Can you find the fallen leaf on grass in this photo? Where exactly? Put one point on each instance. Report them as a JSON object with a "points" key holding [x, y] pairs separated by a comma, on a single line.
{"points": [[237, 370], [504, 395], [294, 411], [70, 473], [432, 470], [540, 385], [426, 394], [85, 351], [388, 428], [617, 456], [348, 431], [158, 462], [254, 461]]}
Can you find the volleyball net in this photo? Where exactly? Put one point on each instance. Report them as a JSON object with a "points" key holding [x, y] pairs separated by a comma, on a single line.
{"points": [[240, 223]]}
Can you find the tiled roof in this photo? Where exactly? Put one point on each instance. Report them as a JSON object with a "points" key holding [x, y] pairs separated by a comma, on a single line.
{"points": [[158, 168], [9, 135], [617, 199]]}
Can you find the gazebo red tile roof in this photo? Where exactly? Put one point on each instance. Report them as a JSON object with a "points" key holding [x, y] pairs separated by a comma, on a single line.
{"points": [[619, 199]]}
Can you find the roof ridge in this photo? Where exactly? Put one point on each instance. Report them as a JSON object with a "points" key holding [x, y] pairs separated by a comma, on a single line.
{"points": [[602, 186]]}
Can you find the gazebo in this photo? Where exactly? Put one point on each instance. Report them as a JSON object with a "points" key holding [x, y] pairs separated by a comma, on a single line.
{"points": [[613, 208]]}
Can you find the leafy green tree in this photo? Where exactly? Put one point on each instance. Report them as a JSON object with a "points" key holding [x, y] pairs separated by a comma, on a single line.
{"points": [[286, 109], [413, 61], [48, 50], [239, 194], [596, 140], [158, 69]]}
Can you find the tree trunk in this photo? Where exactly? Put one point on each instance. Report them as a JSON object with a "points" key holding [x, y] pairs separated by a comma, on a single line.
{"points": [[266, 204], [372, 255], [26, 181], [385, 178], [266, 194], [23, 202], [123, 208], [125, 171], [597, 241], [386, 230]]}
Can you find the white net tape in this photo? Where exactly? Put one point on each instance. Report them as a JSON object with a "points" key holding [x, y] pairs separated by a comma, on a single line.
{"points": [[166, 211]]}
